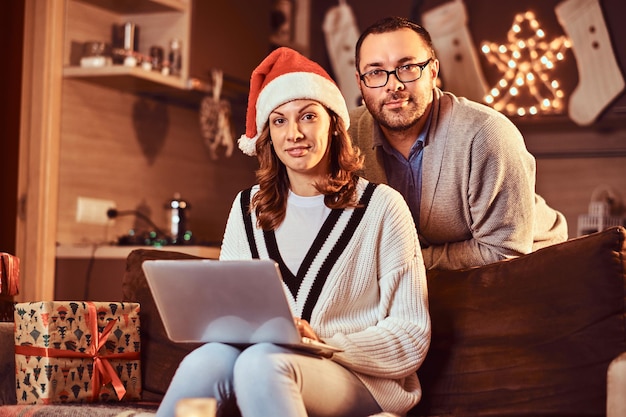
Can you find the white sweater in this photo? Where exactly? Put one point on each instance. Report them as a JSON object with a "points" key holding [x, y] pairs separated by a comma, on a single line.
{"points": [[364, 291]]}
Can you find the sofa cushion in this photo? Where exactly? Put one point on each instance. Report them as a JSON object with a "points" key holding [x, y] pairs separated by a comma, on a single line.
{"points": [[527, 336], [159, 356]]}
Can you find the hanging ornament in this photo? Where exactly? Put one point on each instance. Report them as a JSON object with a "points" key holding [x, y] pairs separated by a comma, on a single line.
{"points": [[526, 63], [341, 34], [600, 78], [452, 40], [215, 119]]}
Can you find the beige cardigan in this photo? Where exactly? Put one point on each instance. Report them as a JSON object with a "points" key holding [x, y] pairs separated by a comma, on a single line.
{"points": [[478, 200]]}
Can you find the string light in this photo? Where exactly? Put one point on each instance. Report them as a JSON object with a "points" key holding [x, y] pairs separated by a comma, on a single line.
{"points": [[526, 63]]}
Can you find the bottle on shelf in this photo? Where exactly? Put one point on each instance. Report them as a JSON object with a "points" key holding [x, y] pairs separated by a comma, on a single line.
{"points": [[175, 57], [125, 42]]}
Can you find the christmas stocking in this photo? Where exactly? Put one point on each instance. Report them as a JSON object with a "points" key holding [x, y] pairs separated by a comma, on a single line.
{"points": [[599, 75], [460, 68], [341, 34]]}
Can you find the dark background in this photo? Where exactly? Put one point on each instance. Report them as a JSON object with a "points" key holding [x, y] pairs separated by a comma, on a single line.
{"points": [[11, 31], [488, 20]]}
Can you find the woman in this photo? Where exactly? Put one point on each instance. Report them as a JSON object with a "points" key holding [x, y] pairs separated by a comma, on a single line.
{"points": [[349, 256]]}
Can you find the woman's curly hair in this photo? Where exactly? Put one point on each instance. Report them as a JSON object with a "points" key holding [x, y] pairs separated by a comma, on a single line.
{"points": [[338, 187]]}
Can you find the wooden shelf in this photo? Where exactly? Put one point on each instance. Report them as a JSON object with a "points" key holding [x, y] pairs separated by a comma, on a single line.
{"points": [[138, 81], [610, 120], [140, 6], [122, 252], [159, 22]]}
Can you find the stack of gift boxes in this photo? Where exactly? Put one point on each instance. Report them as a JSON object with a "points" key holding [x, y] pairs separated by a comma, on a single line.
{"points": [[77, 351]]}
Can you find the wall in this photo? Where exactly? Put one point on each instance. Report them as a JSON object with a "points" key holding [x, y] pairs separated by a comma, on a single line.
{"points": [[572, 161], [138, 152], [567, 184], [106, 158], [230, 35], [11, 30]]}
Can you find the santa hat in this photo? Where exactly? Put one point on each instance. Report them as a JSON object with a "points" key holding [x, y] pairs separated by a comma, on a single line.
{"points": [[283, 76]]}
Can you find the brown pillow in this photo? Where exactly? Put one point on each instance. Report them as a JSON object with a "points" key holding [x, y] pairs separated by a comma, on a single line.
{"points": [[159, 356], [528, 336]]}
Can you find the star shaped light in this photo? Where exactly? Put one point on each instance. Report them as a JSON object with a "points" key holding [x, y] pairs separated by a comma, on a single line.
{"points": [[526, 63]]}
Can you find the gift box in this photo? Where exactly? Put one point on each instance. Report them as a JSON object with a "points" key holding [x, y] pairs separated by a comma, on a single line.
{"points": [[77, 351]]}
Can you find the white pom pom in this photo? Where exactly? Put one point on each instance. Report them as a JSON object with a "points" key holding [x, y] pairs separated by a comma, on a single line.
{"points": [[247, 145]]}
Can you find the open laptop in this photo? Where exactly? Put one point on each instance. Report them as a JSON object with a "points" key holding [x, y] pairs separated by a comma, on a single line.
{"points": [[234, 301]]}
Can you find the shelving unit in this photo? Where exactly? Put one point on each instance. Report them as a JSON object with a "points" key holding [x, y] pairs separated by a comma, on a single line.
{"points": [[140, 6], [158, 22], [141, 82]]}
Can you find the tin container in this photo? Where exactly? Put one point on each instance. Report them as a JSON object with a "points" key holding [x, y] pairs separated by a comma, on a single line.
{"points": [[177, 217]]}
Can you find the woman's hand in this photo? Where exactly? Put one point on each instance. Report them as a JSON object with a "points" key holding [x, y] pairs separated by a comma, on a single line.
{"points": [[305, 329]]}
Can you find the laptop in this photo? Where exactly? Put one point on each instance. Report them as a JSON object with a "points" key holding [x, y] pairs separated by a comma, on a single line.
{"points": [[238, 302]]}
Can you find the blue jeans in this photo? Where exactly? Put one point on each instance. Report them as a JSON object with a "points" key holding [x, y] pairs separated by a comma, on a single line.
{"points": [[268, 380]]}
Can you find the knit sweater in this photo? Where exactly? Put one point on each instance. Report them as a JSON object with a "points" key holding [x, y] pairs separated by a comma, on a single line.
{"points": [[478, 201], [362, 287]]}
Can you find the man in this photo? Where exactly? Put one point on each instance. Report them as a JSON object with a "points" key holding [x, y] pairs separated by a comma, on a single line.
{"points": [[462, 167]]}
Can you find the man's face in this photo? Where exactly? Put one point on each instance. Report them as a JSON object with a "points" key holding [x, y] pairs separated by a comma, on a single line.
{"points": [[397, 106]]}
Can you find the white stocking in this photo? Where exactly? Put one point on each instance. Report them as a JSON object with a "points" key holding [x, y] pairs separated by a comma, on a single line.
{"points": [[599, 77], [461, 71], [341, 35]]}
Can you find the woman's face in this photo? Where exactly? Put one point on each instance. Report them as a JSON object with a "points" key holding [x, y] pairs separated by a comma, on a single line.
{"points": [[299, 131]]}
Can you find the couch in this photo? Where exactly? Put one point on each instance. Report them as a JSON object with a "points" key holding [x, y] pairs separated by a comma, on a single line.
{"points": [[530, 336]]}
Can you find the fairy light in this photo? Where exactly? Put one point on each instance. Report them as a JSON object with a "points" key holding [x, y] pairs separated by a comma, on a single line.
{"points": [[525, 62]]}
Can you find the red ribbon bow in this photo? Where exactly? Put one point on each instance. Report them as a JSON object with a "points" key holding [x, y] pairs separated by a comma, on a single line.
{"points": [[103, 370], [9, 274]]}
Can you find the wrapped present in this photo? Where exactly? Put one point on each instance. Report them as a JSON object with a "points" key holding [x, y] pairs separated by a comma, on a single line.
{"points": [[77, 351]]}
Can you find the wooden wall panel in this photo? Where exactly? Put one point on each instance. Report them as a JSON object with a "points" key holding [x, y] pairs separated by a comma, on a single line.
{"points": [[568, 183], [139, 152], [571, 160], [230, 35], [105, 134], [12, 31]]}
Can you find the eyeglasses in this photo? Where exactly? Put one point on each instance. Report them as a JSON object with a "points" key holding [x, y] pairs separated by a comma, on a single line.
{"points": [[405, 74]]}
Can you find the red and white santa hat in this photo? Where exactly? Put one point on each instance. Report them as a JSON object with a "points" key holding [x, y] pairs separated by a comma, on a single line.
{"points": [[283, 76]]}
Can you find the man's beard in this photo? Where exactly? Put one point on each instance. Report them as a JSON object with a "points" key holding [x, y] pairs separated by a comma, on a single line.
{"points": [[396, 119]]}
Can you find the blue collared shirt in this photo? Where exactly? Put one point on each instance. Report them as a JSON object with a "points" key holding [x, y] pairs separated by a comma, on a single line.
{"points": [[405, 175]]}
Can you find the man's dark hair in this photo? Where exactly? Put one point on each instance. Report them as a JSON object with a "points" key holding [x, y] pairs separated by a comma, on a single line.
{"points": [[391, 24]]}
